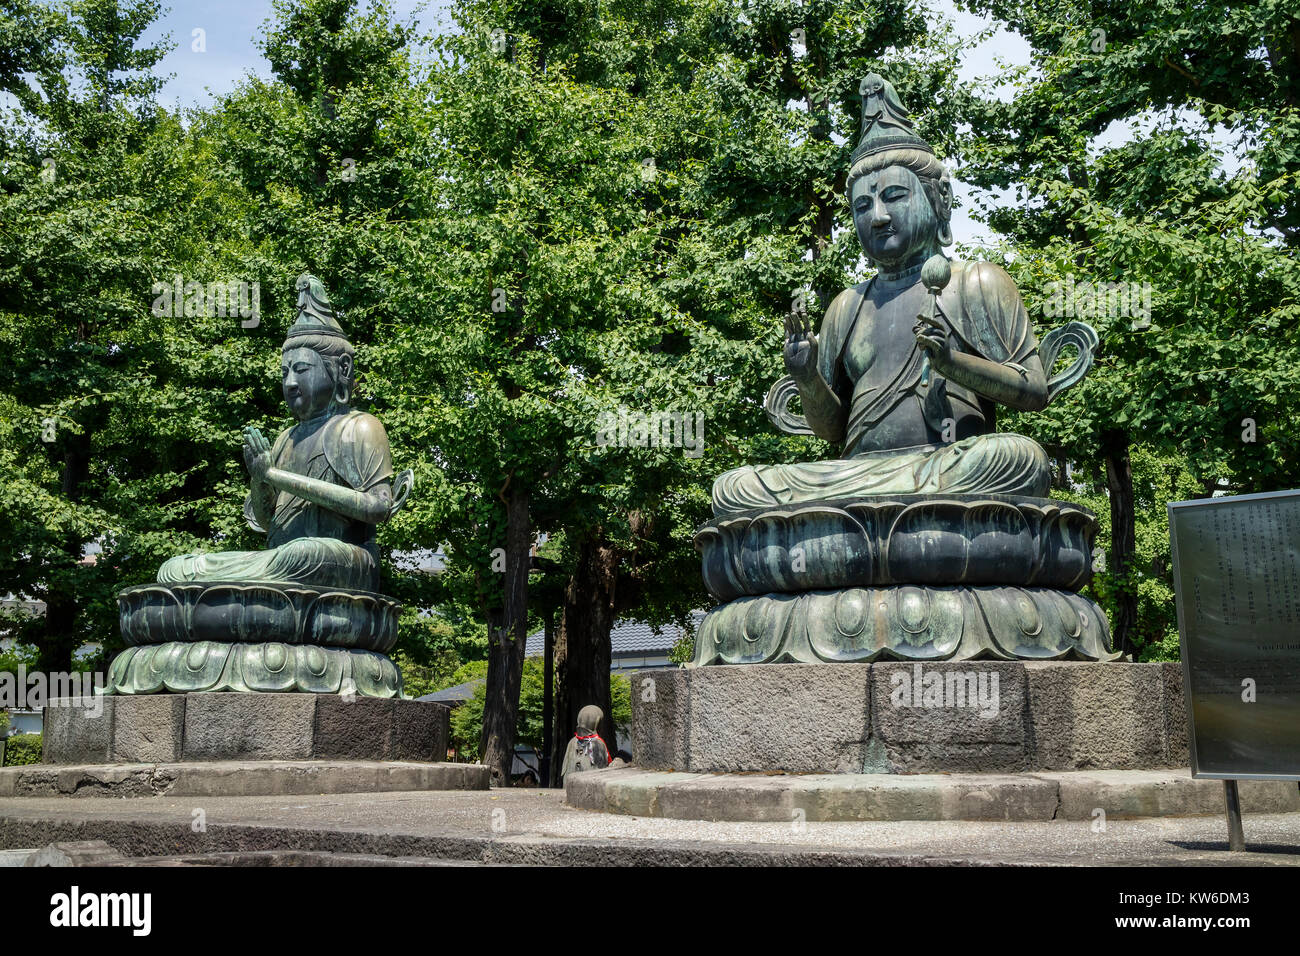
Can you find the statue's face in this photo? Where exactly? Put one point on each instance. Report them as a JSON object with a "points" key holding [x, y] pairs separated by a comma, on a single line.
{"points": [[893, 216], [306, 382]]}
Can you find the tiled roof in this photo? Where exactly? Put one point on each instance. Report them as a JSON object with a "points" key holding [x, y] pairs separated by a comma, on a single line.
{"points": [[627, 637], [453, 695]]}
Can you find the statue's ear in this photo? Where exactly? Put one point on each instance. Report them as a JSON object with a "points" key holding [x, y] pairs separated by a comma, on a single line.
{"points": [[945, 198], [343, 380], [944, 212]]}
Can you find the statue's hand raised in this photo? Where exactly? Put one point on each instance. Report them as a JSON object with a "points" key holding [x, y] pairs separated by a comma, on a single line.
{"points": [[800, 345], [257, 453]]}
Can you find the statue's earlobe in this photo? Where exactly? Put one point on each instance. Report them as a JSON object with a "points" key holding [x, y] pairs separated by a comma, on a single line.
{"points": [[343, 384], [945, 218]]}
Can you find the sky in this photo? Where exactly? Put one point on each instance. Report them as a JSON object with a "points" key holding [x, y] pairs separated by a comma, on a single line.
{"points": [[215, 60], [211, 62]]}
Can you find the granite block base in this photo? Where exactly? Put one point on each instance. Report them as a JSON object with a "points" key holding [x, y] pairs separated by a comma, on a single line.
{"points": [[894, 717], [166, 728]]}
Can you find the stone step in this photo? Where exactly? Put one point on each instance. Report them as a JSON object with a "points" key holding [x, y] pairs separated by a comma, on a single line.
{"points": [[1078, 795], [228, 778]]}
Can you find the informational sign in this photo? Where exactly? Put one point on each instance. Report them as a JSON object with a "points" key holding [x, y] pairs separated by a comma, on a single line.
{"points": [[1237, 576]]}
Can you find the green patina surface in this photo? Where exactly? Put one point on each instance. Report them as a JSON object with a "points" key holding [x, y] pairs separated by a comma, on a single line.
{"points": [[932, 536], [302, 614]]}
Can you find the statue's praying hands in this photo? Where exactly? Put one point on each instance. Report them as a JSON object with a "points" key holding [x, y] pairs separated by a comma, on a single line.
{"points": [[257, 453]]}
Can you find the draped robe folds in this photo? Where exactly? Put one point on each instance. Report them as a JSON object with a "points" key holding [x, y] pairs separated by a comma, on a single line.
{"points": [[983, 310], [306, 543]]}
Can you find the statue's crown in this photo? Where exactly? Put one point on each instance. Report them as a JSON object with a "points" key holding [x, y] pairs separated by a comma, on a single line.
{"points": [[315, 314], [886, 123]]}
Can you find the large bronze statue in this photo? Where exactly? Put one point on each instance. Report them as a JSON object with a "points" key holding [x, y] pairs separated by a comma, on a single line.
{"points": [[322, 488], [302, 614], [932, 536]]}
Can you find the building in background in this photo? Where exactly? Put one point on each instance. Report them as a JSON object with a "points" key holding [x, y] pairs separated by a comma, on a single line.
{"points": [[634, 645]]}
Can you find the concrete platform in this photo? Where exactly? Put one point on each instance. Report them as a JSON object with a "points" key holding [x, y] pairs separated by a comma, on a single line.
{"points": [[176, 728], [1080, 796], [230, 778], [535, 827], [934, 717]]}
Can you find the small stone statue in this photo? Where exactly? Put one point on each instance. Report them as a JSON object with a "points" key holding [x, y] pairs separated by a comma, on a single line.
{"points": [[303, 613], [586, 751]]}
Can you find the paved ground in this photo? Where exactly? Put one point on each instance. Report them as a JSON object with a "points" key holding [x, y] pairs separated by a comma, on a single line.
{"points": [[534, 826]]}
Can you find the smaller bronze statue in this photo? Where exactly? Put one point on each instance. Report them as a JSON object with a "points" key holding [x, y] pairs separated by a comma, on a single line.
{"points": [[301, 614], [322, 488], [587, 750]]}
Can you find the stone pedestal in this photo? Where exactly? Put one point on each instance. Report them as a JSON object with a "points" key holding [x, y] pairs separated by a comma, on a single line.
{"points": [[170, 728], [932, 717]]}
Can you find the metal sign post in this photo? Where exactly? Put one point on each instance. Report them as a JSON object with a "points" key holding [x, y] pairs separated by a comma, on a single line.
{"points": [[1232, 799]]}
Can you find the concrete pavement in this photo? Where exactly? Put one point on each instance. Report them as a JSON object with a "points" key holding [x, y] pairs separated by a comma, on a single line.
{"points": [[535, 827]]}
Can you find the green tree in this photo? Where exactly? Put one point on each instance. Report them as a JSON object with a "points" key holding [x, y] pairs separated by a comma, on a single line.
{"points": [[467, 719], [110, 426], [1209, 385], [632, 179], [31, 55]]}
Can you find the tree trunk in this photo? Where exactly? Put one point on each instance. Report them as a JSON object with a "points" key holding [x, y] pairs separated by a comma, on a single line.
{"points": [[506, 638], [548, 703], [54, 651], [582, 652], [1123, 537]]}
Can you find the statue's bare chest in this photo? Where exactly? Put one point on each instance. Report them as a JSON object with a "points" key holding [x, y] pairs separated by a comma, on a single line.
{"points": [[882, 341]]}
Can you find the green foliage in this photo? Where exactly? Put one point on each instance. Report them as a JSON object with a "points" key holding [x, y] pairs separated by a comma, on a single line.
{"points": [[467, 719], [18, 654], [431, 647], [116, 425], [683, 650], [1196, 203], [1157, 480], [22, 750], [620, 692]]}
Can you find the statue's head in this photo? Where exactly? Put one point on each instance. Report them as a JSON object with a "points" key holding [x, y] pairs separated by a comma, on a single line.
{"points": [[899, 193], [316, 360], [589, 718]]}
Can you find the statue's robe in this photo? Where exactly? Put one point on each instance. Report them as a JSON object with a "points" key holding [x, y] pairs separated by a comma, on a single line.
{"points": [[586, 751], [982, 309], [308, 544]]}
